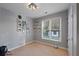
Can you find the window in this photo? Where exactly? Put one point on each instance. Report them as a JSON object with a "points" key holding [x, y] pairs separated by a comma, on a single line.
{"points": [[51, 29]]}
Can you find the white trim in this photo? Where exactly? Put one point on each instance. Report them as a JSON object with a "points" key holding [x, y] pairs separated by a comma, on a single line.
{"points": [[29, 42], [16, 47], [51, 39], [21, 45], [37, 42], [64, 48], [60, 29], [50, 44]]}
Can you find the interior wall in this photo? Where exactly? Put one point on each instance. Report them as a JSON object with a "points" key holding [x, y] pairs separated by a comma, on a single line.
{"points": [[8, 34], [38, 32], [29, 30]]}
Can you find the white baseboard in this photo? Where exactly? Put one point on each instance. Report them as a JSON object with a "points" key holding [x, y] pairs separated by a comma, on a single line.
{"points": [[50, 44], [63, 48], [20, 45], [16, 47], [37, 42], [29, 42]]}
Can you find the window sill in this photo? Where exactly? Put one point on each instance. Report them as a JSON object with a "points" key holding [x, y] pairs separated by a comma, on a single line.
{"points": [[51, 39]]}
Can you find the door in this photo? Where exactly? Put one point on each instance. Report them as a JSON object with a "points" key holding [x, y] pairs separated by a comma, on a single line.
{"points": [[70, 31]]}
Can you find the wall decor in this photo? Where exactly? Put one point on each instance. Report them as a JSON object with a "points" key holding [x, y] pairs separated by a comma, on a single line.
{"points": [[21, 24], [19, 16]]}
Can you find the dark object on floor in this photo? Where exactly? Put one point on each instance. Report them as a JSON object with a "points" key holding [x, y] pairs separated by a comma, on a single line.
{"points": [[3, 50], [8, 53]]}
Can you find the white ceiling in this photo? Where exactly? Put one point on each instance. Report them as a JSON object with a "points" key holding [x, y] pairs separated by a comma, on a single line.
{"points": [[21, 8]]}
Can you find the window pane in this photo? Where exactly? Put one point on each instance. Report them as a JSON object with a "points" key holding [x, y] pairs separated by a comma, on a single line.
{"points": [[46, 29], [55, 24], [55, 28], [51, 29]]}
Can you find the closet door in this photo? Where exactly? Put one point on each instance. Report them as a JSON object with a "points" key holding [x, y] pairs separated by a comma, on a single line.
{"points": [[70, 31]]}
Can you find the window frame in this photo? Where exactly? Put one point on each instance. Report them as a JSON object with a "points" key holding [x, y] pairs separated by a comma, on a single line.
{"points": [[60, 38]]}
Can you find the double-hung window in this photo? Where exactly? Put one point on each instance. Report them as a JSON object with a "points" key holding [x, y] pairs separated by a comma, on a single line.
{"points": [[51, 29]]}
